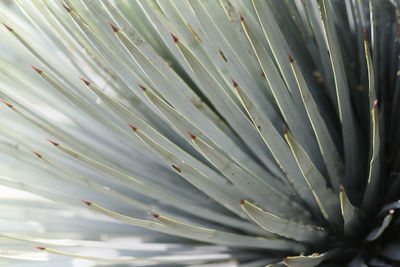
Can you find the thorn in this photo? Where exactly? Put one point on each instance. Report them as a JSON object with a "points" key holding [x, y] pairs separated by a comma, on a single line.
{"points": [[37, 154], [191, 135], [174, 37], [242, 201], [7, 104], [285, 130], [66, 8], [241, 17], [290, 58], [341, 188], [132, 127], [115, 29], [235, 85], [7, 27], [41, 248], [365, 34], [86, 82], [87, 203], [37, 70], [155, 215], [142, 87], [375, 103], [176, 168], [52, 142]]}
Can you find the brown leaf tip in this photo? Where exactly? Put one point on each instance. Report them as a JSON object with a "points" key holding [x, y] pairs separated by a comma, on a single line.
{"points": [[223, 55], [37, 154], [176, 168], [7, 104], [174, 37], [341, 188], [85, 81], [142, 87], [235, 85], [7, 27], [87, 202], [242, 201], [241, 17], [41, 248], [375, 103], [285, 130], [52, 142], [290, 58], [66, 8], [155, 215], [37, 70], [115, 29], [365, 34], [191, 135], [132, 127]]}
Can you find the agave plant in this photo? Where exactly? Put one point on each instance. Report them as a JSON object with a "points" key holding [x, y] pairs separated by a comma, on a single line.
{"points": [[200, 133]]}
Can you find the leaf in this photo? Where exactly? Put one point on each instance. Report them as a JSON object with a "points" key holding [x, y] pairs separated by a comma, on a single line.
{"points": [[372, 188], [279, 150], [170, 226], [378, 231], [351, 214], [349, 129], [304, 261], [183, 125], [258, 190], [330, 154], [283, 99], [327, 201], [283, 227], [219, 193], [150, 189], [224, 104]]}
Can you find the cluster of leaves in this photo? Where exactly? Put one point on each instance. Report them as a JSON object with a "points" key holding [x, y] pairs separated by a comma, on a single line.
{"points": [[229, 132]]}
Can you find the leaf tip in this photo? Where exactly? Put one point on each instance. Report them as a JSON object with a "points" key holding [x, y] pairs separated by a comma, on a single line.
{"points": [[191, 135], [242, 201], [142, 87], [176, 168], [132, 127], [235, 85], [41, 248], [241, 17], [174, 37], [37, 154], [155, 216], [290, 58], [52, 142], [375, 104], [285, 129], [87, 202], [7, 104], [115, 29], [85, 81], [37, 70], [8, 27], [341, 188], [66, 8]]}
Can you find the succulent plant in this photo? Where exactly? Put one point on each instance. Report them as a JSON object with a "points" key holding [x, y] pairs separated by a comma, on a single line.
{"points": [[200, 133]]}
